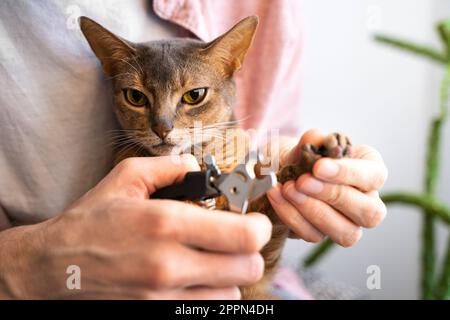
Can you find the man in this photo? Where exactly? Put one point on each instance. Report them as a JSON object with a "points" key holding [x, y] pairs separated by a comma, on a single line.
{"points": [[55, 111]]}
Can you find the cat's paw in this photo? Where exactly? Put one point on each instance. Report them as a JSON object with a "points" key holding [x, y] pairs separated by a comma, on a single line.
{"points": [[334, 145]]}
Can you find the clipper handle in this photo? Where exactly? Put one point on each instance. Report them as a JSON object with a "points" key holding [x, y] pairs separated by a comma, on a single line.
{"points": [[195, 186]]}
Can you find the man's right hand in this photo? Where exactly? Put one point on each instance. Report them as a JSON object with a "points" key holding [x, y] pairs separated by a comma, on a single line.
{"points": [[129, 246]]}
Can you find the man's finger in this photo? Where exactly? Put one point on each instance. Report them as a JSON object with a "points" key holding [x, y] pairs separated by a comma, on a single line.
{"points": [[197, 293], [363, 209], [200, 268], [323, 217], [366, 175], [177, 265], [291, 217], [156, 264], [192, 225], [141, 176]]}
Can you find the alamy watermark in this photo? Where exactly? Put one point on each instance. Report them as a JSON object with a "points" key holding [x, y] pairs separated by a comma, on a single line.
{"points": [[374, 17], [73, 12], [229, 146], [73, 281], [373, 281]]}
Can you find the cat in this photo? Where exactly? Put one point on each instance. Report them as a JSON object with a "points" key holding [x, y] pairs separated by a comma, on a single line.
{"points": [[161, 88]]}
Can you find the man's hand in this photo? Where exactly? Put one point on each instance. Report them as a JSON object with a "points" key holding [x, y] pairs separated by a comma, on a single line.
{"points": [[339, 198], [128, 246]]}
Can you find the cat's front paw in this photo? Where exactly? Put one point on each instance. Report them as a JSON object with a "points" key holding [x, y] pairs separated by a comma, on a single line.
{"points": [[334, 145]]}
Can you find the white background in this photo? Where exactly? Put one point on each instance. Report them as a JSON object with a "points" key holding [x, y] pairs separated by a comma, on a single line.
{"points": [[385, 98]]}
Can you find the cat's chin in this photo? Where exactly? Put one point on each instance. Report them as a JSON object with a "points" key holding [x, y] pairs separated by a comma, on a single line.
{"points": [[166, 150]]}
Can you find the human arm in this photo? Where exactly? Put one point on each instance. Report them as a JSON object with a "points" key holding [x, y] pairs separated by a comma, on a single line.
{"points": [[128, 246]]}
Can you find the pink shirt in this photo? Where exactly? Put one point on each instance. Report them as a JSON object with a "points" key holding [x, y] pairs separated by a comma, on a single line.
{"points": [[269, 82]]}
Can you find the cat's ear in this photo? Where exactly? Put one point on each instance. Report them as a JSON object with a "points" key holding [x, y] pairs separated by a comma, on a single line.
{"points": [[109, 48], [231, 47]]}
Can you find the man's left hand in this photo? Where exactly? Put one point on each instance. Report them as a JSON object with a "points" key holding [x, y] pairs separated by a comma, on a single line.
{"points": [[337, 199]]}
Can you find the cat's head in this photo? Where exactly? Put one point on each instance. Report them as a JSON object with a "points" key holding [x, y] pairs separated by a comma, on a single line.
{"points": [[162, 89]]}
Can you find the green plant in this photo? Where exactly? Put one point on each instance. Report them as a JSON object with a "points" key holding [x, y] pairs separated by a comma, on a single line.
{"points": [[433, 286]]}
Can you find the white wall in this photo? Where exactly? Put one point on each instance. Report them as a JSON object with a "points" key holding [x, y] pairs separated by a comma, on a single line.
{"points": [[380, 97]]}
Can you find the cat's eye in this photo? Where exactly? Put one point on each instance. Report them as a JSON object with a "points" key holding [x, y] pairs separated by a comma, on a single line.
{"points": [[194, 96], [135, 97]]}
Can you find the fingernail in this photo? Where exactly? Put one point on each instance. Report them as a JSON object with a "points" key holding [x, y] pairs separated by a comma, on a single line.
{"points": [[275, 195], [328, 169], [294, 195], [312, 185]]}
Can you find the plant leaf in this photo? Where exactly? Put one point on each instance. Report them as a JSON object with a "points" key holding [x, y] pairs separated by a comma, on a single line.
{"points": [[425, 51]]}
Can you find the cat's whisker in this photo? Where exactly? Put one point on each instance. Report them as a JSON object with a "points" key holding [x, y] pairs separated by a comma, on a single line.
{"points": [[219, 125], [213, 127], [123, 132], [212, 132], [121, 137], [215, 137], [231, 125], [203, 129], [120, 75], [141, 149], [121, 143], [135, 69], [138, 64], [127, 147], [118, 133], [127, 62], [227, 123]]}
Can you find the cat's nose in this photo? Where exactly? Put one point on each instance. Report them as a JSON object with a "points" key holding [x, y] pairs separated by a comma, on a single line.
{"points": [[162, 128]]}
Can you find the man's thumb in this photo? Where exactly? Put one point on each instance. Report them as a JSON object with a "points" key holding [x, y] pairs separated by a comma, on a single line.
{"points": [[144, 175], [172, 169]]}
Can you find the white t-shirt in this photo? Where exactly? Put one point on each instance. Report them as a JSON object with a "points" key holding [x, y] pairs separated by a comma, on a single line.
{"points": [[55, 104]]}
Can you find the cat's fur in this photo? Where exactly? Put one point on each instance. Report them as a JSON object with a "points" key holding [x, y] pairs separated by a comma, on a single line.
{"points": [[165, 70]]}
